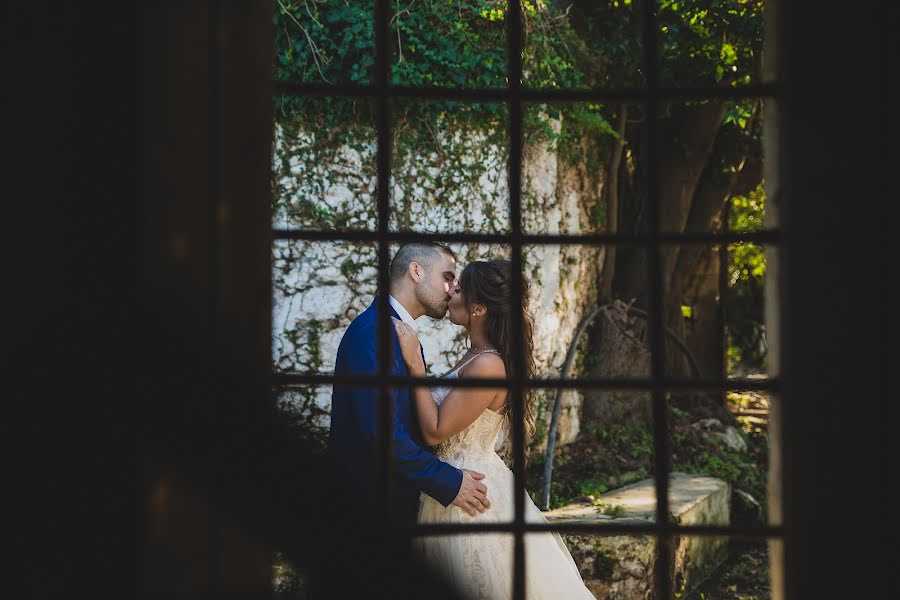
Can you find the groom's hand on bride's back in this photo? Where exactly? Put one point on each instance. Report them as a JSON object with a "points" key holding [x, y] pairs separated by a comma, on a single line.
{"points": [[472, 496]]}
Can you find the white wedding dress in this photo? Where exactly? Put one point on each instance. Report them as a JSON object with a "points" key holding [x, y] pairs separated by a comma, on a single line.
{"points": [[481, 564]]}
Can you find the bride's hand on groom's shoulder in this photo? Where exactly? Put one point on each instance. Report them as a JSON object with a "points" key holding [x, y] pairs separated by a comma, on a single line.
{"points": [[409, 345], [472, 496]]}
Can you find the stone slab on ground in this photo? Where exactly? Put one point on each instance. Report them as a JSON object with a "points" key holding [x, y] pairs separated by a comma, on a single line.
{"points": [[621, 567]]}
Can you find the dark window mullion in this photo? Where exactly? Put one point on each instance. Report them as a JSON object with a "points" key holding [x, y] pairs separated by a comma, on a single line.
{"points": [[662, 575], [767, 236], [383, 165], [516, 396], [602, 95], [605, 529], [771, 384]]}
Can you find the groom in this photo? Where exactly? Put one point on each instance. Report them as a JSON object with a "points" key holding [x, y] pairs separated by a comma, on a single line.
{"points": [[421, 275]]}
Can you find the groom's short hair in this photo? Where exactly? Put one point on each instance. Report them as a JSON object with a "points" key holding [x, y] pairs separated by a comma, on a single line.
{"points": [[424, 253]]}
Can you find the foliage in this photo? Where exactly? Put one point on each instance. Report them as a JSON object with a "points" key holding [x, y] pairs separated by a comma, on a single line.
{"points": [[458, 43], [610, 457], [447, 43], [451, 43], [694, 452], [744, 298], [610, 510], [462, 43], [701, 42], [287, 581], [604, 459], [441, 148]]}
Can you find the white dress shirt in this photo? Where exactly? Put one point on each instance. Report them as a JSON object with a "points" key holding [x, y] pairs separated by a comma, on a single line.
{"points": [[404, 314]]}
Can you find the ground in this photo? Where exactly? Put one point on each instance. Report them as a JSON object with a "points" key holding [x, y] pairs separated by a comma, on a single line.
{"points": [[745, 576], [609, 457], [612, 456]]}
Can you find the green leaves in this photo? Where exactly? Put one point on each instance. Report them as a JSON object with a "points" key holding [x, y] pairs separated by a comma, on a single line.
{"points": [[744, 296], [322, 41], [457, 43], [738, 114], [728, 54], [710, 41], [747, 211], [463, 42]]}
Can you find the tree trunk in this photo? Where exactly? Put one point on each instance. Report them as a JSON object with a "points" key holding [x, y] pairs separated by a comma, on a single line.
{"points": [[696, 276], [609, 260], [686, 147], [694, 183], [681, 168], [703, 328]]}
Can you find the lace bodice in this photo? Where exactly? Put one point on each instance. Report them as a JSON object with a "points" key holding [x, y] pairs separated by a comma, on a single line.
{"points": [[484, 435]]}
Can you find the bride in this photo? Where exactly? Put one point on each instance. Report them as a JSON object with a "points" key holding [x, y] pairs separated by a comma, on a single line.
{"points": [[467, 425]]}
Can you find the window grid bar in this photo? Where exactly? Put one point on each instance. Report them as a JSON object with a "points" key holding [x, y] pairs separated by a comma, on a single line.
{"points": [[772, 384], [769, 236], [601, 529], [662, 576], [514, 95], [215, 204], [624, 94], [516, 362], [383, 165]]}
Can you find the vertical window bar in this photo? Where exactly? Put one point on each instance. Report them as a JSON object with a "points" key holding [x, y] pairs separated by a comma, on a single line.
{"points": [[516, 397], [383, 158], [662, 575], [216, 157]]}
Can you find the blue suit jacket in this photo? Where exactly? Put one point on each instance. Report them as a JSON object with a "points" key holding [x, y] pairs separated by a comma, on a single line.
{"points": [[353, 439]]}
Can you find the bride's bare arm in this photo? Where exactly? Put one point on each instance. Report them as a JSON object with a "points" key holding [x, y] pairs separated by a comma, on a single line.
{"points": [[462, 405]]}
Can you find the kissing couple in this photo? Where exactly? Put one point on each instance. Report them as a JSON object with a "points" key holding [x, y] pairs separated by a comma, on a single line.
{"points": [[445, 439]]}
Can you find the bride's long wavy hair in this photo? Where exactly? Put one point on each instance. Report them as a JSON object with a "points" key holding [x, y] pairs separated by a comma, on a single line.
{"points": [[489, 283]]}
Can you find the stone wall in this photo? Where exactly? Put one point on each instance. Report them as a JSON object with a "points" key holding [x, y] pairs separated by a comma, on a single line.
{"points": [[319, 287]]}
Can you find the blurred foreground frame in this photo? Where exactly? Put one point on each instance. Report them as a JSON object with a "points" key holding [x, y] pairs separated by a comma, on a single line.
{"points": [[183, 226]]}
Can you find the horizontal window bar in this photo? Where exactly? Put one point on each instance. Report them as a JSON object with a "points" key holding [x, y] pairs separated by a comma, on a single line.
{"points": [[736, 384], [293, 88], [769, 236], [608, 529]]}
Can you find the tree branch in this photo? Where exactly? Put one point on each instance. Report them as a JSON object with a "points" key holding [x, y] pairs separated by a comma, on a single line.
{"points": [[312, 45]]}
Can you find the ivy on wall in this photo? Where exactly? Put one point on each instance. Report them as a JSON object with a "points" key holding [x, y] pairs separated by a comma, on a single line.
{"points": [[448, 43]]}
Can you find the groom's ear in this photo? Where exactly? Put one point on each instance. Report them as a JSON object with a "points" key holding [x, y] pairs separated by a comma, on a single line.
{"points": [[416, 271]]}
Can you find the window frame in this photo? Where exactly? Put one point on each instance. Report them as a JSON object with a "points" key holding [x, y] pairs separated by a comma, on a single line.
{"points": [[658, 384]]}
